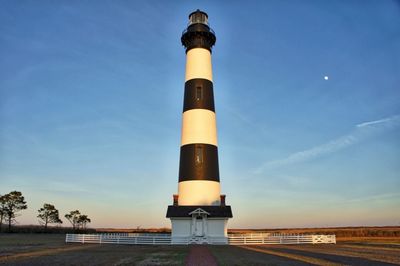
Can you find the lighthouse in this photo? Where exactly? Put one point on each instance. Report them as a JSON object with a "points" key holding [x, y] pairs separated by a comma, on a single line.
{"points": [[199, 212]]}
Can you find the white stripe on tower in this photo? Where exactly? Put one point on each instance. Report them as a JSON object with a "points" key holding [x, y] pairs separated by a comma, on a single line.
{"points": [[199, 192], [198, 64], [199, 126]]}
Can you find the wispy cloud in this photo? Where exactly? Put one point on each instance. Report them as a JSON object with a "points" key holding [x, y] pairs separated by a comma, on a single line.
{"points": [[359, 133], [369, 123]]}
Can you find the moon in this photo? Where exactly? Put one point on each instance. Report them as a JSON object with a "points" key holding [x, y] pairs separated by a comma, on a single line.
{"points": [[326, 77]]}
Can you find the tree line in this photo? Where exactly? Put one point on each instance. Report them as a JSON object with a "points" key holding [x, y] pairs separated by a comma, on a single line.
{"points": [[14, 202]]}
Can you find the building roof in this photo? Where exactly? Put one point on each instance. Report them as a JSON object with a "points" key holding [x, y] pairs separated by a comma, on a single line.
{"points": [[185, 211]]}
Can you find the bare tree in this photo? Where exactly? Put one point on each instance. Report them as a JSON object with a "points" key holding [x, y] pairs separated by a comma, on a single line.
{"points": [[48, 215], [73, 218], [14, 202]]}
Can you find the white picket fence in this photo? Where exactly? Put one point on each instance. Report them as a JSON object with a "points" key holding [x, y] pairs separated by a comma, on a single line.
{"points": [[262, 239], [165, 239], [134, 239]]}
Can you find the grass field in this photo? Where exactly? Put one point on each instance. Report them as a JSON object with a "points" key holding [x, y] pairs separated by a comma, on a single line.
{"points": [[49, 249]]}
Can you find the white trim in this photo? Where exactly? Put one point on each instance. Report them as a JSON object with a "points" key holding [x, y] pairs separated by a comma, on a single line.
{"points": [[199, 211]]}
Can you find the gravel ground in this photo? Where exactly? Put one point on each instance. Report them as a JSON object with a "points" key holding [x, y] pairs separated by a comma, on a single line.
{"points": [[105, 255], [340, 259], [42, 249], [346, 254]]}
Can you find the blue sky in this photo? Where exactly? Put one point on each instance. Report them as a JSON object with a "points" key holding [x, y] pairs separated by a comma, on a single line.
{"points": [[91, 97]]}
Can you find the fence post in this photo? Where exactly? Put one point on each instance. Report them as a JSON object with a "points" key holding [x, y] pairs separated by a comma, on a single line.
{"points": [[83, 239]]}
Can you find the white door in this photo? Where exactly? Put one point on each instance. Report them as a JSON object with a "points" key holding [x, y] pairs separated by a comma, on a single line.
{"points": [[199, 227]]}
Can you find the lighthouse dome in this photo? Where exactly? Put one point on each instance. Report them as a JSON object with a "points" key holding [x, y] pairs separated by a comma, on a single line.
{"points": [[198, 16]]}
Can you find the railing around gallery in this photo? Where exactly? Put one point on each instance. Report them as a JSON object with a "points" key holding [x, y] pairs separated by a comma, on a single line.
{"points": [[232, 239]]}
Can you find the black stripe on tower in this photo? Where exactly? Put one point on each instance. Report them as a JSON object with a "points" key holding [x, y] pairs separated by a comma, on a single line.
{"points": [[198, 95], [199, 162]]}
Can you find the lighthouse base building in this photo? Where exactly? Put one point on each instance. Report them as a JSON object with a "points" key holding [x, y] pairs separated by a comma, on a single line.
{"points": [[201, 224], [199, 213]]}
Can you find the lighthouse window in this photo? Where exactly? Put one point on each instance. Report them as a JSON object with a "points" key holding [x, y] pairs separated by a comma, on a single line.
{"points": [[199, 155], [199, 93]]}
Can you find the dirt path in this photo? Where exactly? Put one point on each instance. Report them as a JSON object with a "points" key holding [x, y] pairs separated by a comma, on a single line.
{"points": [[200, 255]]}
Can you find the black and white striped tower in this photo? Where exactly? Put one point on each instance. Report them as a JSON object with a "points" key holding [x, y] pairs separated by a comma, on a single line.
{"points": [[199, 183], [198, 168]]}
